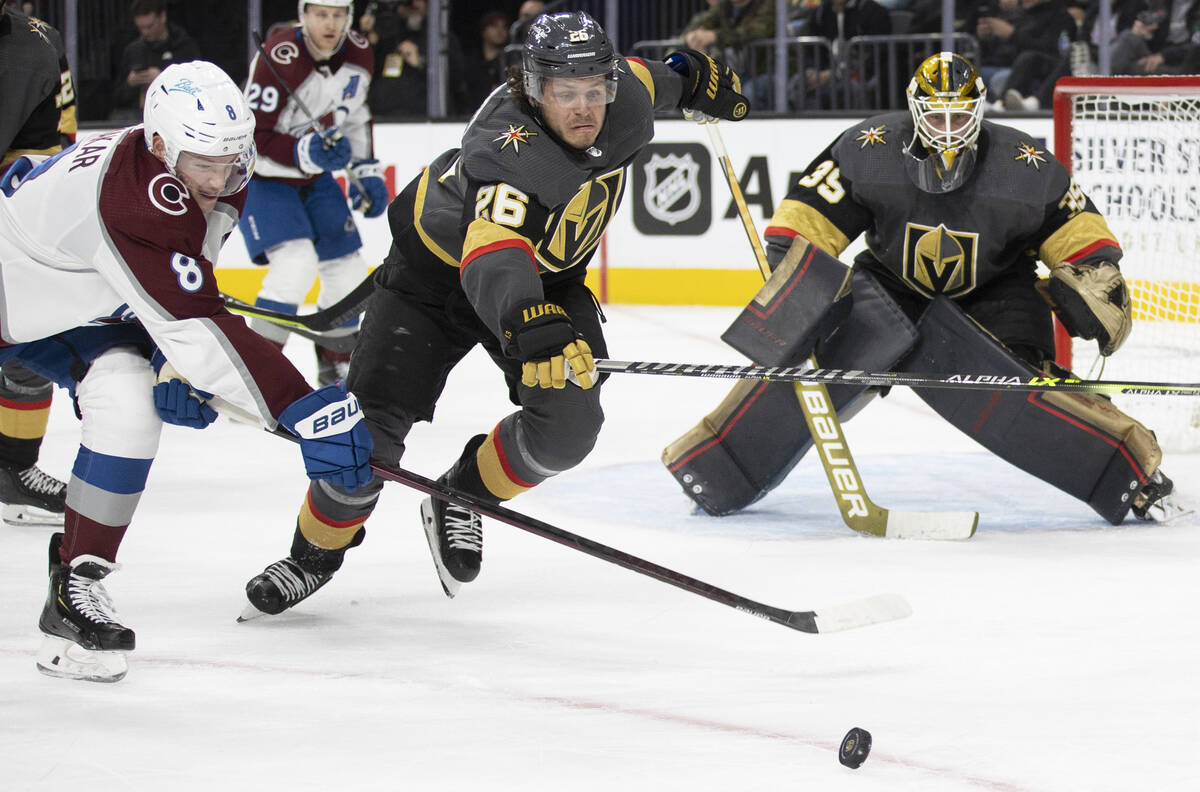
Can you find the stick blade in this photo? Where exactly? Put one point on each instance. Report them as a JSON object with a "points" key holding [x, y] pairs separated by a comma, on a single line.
{"points": [[931, 525], [861, 613]]}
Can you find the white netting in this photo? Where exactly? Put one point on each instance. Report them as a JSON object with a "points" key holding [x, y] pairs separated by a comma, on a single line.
{"points": [[1138, 157]]}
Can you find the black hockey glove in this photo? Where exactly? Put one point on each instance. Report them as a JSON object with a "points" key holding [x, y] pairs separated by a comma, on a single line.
{"points": [[711, 89], [541, 336], [1092, 301]]}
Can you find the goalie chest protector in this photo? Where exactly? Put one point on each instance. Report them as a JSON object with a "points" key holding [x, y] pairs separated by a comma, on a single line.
{"points": [[950, 243]]}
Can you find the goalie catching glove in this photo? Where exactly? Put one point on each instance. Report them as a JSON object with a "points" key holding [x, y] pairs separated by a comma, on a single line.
{"points": [[541, 336], [711, 89], [1092, 301], [336, 444]]}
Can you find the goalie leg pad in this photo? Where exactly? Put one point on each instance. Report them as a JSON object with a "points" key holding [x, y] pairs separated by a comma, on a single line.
{"points": [[748, 445], [807, 296], [1080, 443]]}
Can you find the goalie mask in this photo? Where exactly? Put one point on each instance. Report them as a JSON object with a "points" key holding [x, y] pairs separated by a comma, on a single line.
{"points": [[324, 53], [946, 100], [568, 44], [196, 109]]}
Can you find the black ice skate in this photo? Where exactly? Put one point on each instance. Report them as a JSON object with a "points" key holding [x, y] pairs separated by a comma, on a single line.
{"points": [[279, 587], [294, 579], [455, 536], [1155, 501], [83, 637], [32, 497]]}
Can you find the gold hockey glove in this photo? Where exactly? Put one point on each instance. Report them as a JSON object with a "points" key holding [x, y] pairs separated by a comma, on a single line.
{"points": [[1092, 301], [540, 334]]}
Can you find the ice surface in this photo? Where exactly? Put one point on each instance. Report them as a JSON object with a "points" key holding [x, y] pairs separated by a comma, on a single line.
{"points": [[1050, 652]]}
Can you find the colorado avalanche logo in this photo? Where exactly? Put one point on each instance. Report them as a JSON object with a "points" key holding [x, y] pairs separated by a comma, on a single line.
{"points": [[285, 52], [168, 194], [672, 192]]}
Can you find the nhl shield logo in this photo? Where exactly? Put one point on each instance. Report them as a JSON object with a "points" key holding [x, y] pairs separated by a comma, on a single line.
{"points": [[672, 191], [668, 181], [938, 260]]}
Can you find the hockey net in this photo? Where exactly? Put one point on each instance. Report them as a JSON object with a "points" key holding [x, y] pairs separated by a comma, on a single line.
{"points": [[1133, 145]]}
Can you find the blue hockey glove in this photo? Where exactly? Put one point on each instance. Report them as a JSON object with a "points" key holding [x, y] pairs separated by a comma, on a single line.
{"points": [[316, 154], [333, 439], [175, 400], [368, 174]]}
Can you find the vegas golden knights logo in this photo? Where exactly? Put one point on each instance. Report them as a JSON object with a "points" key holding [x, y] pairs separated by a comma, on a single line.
{"points": [[938, 260], [574, 230]]}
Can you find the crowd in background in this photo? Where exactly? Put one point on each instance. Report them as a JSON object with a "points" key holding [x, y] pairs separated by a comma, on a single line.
{"points": [[1022, 46]]}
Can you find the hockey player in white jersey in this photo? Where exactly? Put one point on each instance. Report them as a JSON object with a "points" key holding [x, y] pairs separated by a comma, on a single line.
{"points": [[308, 89], [112, 295]]}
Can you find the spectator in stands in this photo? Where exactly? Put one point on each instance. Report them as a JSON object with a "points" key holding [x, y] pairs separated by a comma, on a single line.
{"points": [[408, 40], [158, 45], [529, 11], [726, 30], [484, 68], [398, 89], [839, 21], [1132, 53], [1181, 25], [1042, 26], [379, 20]]}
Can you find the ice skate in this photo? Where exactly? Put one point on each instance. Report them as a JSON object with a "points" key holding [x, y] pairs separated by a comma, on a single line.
{"points": [[83, 637], [1158, 502], [455, 536], [280, 586], [32, 497]]}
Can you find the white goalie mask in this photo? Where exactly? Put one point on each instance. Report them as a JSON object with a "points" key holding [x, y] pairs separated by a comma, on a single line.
{"points": [[324, 54], [195, 108]]}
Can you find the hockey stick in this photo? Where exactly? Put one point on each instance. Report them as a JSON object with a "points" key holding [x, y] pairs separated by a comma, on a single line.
{"points": [[858, 511], [320, 322], [312, 120], [887, 379], [845, 616]]}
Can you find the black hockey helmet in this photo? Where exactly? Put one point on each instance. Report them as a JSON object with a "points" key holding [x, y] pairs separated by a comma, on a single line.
{"points": [[946, 99], [567, 44]]}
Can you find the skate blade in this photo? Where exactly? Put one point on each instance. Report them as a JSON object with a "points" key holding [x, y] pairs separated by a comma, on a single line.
{"points": [[249, 613], [1168, 509], [449, 584], [58, 657], [18, 515]]}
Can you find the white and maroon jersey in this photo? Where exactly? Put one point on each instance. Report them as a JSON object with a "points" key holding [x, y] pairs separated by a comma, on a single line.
{"points": [[102, 233], [334, 91]]}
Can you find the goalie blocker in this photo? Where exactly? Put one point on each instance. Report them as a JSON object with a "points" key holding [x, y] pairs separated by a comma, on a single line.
{"points": [[1080, 443]]}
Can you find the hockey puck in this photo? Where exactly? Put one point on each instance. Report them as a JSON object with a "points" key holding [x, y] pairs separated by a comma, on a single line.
{"points": [[855, 747]]}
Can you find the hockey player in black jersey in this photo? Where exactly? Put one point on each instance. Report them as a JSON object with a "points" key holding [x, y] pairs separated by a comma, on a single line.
{"points": [[956, 212], [490, 247], [38, 117]]}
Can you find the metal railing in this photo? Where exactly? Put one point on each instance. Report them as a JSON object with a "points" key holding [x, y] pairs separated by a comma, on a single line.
{"points": [[880, 67]]}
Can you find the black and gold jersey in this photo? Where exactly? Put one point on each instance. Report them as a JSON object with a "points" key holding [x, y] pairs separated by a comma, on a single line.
{"points": [[38, 112], [1018, 205], [515, 209]]}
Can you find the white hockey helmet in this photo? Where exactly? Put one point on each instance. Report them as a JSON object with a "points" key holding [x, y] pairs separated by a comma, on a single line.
{"points": [[346, 4], [195, 107]]}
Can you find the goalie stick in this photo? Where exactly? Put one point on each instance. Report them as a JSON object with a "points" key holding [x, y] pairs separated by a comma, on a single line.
{"points": [[844, 616], [889, 378], [858, 511]]}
